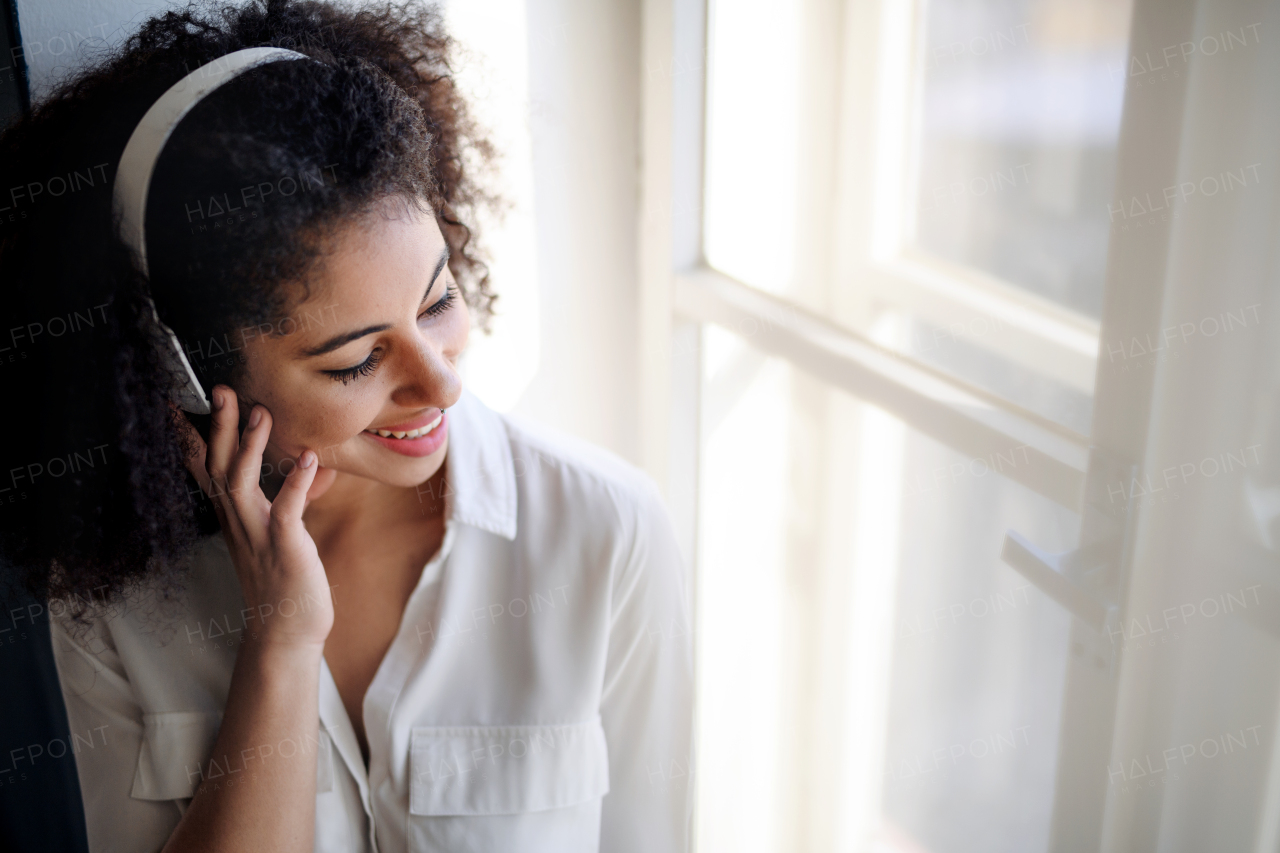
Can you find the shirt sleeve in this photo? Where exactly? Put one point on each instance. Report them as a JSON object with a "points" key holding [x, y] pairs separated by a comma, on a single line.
{"points": [[106, 734], [647, 701]]}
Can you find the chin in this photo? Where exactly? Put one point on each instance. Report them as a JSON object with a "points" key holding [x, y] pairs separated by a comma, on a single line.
{"points": [[405, 472]]}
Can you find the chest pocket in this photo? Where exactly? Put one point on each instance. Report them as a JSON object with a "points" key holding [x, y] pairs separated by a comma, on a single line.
{"points": [[176, 753], [508, 787]]}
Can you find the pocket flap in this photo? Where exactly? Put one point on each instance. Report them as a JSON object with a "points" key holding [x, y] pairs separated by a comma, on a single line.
{"points": [[175, 747], [488, 770]]}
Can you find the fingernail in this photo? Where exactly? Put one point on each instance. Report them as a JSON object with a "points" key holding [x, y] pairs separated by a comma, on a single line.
{"points": [[217, 399], [307, 459], [255, 417]]}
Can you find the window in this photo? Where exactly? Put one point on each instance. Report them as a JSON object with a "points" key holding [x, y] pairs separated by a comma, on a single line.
{"points": [[911, 364]]}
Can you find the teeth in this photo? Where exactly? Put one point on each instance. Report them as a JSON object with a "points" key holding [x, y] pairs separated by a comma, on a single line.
{"points": [[415, 433]]}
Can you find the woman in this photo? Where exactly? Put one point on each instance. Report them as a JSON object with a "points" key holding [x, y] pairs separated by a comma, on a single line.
{"points": [[376, 615]]}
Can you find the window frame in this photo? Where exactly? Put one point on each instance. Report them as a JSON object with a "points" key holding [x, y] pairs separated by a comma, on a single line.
{"points": [[1018, 325], [680, 292]]}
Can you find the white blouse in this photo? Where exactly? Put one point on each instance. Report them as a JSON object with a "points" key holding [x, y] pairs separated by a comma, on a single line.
{"points": [[537, 696]]}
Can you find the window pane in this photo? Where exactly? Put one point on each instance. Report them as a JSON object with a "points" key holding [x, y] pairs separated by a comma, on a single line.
{"points": [[755, 129], [1019, 118], [979, 658], [871, 676], [741, 595], [954, 163]]}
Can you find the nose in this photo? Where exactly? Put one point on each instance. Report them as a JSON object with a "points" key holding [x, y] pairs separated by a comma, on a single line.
{"points": [[427, 376]]}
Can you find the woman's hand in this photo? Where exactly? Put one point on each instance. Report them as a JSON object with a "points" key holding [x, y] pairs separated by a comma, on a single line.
{"points": [[283, 581]]}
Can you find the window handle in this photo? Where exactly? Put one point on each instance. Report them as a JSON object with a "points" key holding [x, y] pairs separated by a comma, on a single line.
{"points": [[1088, 580], [1053, 574]]}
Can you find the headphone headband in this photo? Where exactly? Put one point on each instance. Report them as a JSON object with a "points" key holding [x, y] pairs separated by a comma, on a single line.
{"points": [[133, 181]]}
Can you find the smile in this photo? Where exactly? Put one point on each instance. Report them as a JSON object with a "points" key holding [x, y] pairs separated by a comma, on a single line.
{"points": [[413, 433], [416, 438]]}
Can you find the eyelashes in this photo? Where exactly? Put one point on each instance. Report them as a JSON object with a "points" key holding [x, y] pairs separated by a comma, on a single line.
{"points": [[443, 303], [366, 367]]}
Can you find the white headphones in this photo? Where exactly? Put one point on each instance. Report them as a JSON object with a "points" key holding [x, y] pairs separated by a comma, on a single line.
{"points": [[133, 180]]}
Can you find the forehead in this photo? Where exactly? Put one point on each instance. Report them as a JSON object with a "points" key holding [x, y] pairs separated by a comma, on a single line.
{"points": [[374, 262], [392, 240], [366, 273]]}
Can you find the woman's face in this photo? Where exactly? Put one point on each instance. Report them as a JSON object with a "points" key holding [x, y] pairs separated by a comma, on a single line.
{"points": [[374, 348]]}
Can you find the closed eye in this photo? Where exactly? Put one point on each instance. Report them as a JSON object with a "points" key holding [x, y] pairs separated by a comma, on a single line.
{"points": [[364, 368], [367, 367], [442, 304]]}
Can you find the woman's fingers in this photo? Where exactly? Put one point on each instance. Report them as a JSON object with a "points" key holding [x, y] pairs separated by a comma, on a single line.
{"points": [[286, 509], [195, 457], [246, 471], [229, 469], [224, 439], [324, 479]]}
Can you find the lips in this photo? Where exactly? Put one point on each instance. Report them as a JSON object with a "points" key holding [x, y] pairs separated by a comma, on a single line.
{"points": [[400, 433], [422, 436]]}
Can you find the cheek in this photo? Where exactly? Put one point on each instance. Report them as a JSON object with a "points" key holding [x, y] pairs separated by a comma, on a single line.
{"points": [[310, 413], [319, 419]]}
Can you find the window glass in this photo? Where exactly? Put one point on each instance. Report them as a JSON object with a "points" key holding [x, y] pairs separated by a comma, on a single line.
{"points": [[871, 676], [978, 662], [956, 164], [1019, 116]]}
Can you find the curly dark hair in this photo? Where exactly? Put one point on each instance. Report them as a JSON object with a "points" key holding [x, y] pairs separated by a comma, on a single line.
{"points": [[94, 497]]}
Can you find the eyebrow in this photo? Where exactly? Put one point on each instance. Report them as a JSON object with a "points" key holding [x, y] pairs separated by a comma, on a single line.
{"points": [[338, 341]]}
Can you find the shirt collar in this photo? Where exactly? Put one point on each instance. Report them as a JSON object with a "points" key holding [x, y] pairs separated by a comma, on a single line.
{"points": [[481, 475]]}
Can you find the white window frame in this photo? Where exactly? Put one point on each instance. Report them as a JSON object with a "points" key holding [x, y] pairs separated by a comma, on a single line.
{"points": [[679, 292]]}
